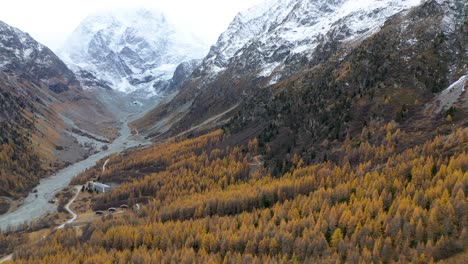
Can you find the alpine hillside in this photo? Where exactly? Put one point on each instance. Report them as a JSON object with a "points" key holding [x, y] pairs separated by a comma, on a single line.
{"points": [[266, 44], [412, 71], [312, 131], [42, 108]]}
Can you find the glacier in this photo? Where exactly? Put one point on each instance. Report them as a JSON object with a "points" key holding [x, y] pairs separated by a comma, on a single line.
{"points": [[131, 50]]}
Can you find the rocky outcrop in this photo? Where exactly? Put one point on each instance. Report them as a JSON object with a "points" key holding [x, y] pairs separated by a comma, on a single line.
{"points": [[23, 56]]}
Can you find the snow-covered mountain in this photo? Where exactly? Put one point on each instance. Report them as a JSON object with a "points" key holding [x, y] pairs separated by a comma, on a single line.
{"points": [[131, 49], [273, 34], [270, 42], [23, 56], [17, 46]]}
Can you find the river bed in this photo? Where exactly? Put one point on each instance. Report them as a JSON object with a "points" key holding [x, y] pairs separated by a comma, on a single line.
{"points": [[37, 205]]}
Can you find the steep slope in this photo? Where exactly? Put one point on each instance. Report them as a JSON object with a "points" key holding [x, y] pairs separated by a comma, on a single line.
{"points": [[201, 201], [23, 56], [130, 50], [41, 102], [269, 43], [395, 73], [279, 33], [403, 73], [18, 165]]}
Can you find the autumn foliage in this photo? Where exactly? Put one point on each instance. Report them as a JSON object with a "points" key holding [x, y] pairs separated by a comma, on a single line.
{"points": [[206, 204]]}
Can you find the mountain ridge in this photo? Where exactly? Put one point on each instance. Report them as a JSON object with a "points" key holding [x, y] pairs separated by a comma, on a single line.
{"points": [[130, 50], [22, 55], [260, 54], [41, 103]]}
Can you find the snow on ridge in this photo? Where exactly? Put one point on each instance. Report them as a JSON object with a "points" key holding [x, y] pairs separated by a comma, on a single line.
{"points": [[130, 49], [268, 69], [299, 25], [21, 46], [247, 24], [358, 16]]}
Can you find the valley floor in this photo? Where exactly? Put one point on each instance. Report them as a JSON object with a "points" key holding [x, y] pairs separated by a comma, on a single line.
{"points": [[37, 204]]}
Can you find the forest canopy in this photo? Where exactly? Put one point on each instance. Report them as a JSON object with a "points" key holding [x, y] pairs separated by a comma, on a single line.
{"points": [[212, 203]]}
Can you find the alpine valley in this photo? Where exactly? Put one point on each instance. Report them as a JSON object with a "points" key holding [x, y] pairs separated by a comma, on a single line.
{"points": [[312, 131]]}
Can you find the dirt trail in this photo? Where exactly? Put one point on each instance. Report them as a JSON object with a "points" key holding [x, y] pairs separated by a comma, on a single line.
{"points": [[67, 207], [104, 165], [69, 221], [214, 120], [6, 258], [256, 164], [36, 205]]}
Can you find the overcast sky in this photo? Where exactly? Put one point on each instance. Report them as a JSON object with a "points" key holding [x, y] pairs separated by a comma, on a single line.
{"points": [[50, 21]]}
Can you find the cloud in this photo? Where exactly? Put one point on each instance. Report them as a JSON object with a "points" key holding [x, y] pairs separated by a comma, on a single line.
{"points": [[50, 21]]}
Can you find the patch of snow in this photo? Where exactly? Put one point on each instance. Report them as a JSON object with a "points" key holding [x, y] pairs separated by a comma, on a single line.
{"points": [[4, 63], [407, 58], [138, 103], [166, 69], [274, 80], [27, 53], [412, 41], [303, 48], [122, 85], [268, 69]]}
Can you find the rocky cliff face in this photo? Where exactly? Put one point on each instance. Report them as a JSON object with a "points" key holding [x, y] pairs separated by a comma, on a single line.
{"points": [[131, 50], [271, 37], [23, 56]]}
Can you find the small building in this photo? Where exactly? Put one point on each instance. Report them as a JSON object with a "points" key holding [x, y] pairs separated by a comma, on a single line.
{"points": [[100, 187]]}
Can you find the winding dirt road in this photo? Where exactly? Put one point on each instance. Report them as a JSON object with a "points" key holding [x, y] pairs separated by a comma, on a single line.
{"points": [[67, 207], [104, 165], [36, 205], [69, 221]]}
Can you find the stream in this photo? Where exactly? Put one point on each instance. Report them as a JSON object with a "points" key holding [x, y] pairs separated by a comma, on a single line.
{"points": [[37, 205]]}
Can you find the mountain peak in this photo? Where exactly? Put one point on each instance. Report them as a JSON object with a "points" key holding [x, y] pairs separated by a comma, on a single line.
{"points": [[290, 27], [126, 17], [22, 55], [131, 49], [17, 43]]}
